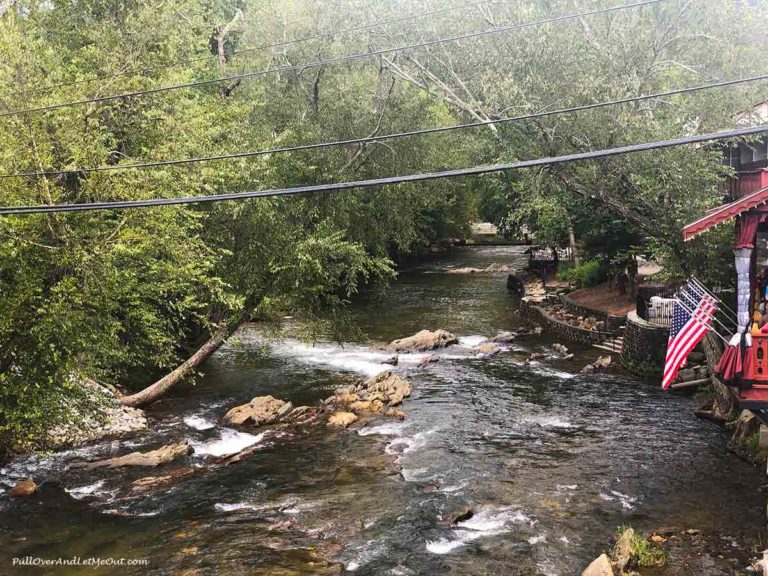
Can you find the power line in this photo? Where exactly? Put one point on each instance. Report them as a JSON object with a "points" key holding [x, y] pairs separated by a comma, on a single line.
{"points": [[370, 139], [247, 50], [323, 63], [388, 181]]}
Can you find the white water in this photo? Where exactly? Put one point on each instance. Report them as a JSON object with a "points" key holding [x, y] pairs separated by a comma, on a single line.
{"points": [[229, 442], [199, 423], [85, 491], [484, 523]]}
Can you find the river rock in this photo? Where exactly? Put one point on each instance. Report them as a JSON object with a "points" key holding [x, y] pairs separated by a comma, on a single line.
{"points": [[150, 484], [390, 385], [393, 361], [560, 348], [24, 488], [423, 341], [465, 271], [600, 365], [601, 566], [504, 337], [516, 285], [105, 417], [258, 412], [151, 459], [462, 516], [746, 426], [395, 413], [624, 550], [487, 348], [341, 419]]}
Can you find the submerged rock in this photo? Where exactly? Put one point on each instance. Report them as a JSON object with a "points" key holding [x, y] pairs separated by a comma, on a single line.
{"points": [[24, 488], [423, 341], [151, 459], [341, 419], [487, 348], [151, 484], [462, 516], [258, 412]]}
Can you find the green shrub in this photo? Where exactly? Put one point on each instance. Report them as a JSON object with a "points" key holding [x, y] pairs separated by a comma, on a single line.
{"points": [[590, 273]]}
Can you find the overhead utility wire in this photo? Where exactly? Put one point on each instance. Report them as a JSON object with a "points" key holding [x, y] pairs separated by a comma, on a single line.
{"points": [[245, 50], [369, 139], [388, 181], [323, 63]]}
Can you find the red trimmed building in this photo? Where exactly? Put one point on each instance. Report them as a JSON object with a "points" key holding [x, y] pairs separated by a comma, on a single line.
{"points": [[747, 195]]}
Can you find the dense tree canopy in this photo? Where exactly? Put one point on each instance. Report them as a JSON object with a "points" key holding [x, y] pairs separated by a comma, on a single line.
{"points": [[121, 296]]}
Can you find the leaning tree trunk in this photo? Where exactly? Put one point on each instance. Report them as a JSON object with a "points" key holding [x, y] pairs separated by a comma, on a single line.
{"points": [[154, 391]]}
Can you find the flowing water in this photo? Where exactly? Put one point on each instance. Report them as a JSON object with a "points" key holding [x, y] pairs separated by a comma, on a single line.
{"points": [[550, 462]]}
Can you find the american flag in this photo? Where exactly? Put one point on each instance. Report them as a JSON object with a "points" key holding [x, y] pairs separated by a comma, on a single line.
{"points": [[691, 317]]}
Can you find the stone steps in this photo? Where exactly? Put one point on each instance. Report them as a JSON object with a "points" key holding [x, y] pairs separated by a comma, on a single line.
{"points": [[614, 345]]}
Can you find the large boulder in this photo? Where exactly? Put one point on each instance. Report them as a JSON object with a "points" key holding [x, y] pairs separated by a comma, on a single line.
{"points": [[601, 566], [424, 341], [258, 412], [162, 455]]}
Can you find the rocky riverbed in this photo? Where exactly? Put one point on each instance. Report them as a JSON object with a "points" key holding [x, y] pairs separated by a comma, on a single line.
{"points": [[505, 459]]}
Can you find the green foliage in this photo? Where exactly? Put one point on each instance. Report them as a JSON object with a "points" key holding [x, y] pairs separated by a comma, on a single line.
{"points": [[121, 296], [590, 273], [645, 554]]}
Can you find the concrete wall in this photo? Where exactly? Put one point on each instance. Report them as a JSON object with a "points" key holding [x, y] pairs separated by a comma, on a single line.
{"points": [[645, 347]]}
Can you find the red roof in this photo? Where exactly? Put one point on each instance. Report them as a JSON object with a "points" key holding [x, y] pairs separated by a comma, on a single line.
{"points": [[725, 213]]}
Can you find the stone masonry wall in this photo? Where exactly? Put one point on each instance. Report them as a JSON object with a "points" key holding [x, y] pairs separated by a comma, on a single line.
{"points": [[645, 347]]}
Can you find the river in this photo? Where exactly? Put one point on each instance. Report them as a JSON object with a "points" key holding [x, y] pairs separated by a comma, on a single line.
{"points": [[550, 462]]}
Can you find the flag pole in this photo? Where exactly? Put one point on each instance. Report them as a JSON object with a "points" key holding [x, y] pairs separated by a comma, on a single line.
{"points": [[701, 285], [701, 290], [692, 312], [690, 302]]}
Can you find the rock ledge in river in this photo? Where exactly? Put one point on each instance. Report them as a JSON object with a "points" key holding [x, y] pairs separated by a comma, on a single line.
{"points": [[151, 459], [424, 341], [259, 411]]}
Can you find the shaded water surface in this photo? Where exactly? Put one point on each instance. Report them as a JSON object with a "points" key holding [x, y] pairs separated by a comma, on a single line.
{"points": [[550, 462]]}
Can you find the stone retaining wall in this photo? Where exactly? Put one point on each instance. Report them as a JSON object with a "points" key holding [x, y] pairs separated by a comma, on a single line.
{"points": [[538, 315], [573, 306], [645, 347]]}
